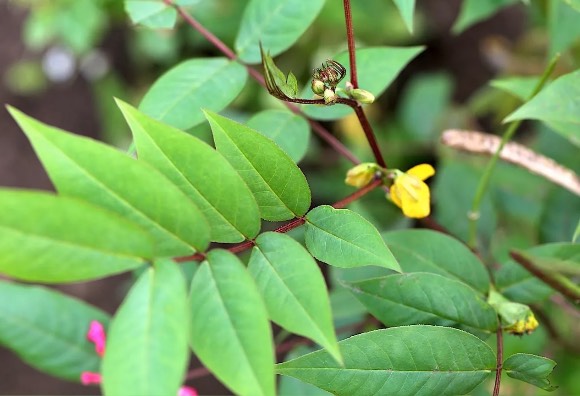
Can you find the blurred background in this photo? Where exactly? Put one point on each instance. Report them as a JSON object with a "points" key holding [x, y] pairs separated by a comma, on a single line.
{"points": [[63, 61]]}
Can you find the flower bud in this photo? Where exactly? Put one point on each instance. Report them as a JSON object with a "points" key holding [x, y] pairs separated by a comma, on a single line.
{"points": [[361, 175], [362, 96], [330, 97], [317, 87], [517, 318]]}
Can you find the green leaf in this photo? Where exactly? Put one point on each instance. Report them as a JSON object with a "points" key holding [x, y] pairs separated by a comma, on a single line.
{"points": [[423, 298], [531, 369], [377, 67], [289, 386], [178, 96], [277, 24], [345, 239], [52, 239], [562, 257], [473, 11], [279, 186], [574, 4], [557, 105], [437, 253], [201, 173], [563, 26], [230, 331], [517, 284], [48, 330], [453, 193], [147, 348], [153, 14], [92, 171], [521, 87], [428, 95], [576, 233], [289, 131], [406, 9], [411, 360], [279, 85], [293, 288], [557, 225]]}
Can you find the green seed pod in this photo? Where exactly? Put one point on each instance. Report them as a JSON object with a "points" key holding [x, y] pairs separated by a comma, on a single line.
{"points": [[330, 97], [318, 87]]}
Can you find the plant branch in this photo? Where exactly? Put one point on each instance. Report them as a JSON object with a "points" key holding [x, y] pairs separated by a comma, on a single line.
{"points": [[556, 282], [222, 47], [368, 130], [290, 225], [350, 42], [499, 361], [485, 178]]}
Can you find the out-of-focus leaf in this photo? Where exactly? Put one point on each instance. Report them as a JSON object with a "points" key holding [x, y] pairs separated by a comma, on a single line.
{"points": [[289, 131], [343, 238], [531, 369], [563, 25], [178, 96], [48, 329], [557, 105], [473, 11], [151, 13], [406, 8], [411, 360], [521, 87], [276, 24], [557, 225]]}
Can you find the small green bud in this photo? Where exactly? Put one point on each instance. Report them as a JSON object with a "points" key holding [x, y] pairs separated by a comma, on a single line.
{"points": [[318, 87], [362, 96], [361, 175], [330, 97]]}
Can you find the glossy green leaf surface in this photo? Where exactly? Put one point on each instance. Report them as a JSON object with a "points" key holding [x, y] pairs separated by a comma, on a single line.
{"points": [[92, 171], [201, 173], [279, 186], [48, 329], [277, 24], [473, 11], [289, 386], [230, 331], [424, 298], [406, 9], [179, 96], [345, 239], [293, 288], [557, 105], [437, 253], [531, 369], [147, 349], [377, 67], [289, 131], [52, 239], [151, 13], [411, 360]]}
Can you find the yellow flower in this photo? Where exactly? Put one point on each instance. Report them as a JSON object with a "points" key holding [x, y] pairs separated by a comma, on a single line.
{"points": [[410, 193], [524, 326], [361, 175]]}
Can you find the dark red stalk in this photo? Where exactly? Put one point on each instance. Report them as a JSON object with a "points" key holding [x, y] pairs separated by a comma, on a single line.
{"points": [[499, 361], [350, 42]]}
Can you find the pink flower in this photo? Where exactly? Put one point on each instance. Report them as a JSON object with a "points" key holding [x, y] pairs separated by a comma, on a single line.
{"points": [[97, 336]]}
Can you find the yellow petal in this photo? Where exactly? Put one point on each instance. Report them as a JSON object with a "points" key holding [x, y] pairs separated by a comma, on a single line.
{"points": [[414, 195], [422, 171], [394, 194]]}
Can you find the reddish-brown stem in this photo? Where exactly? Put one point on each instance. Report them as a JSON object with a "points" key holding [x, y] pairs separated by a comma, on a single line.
{"points": [[573, 293], [290, 225], [499, 362], [366, 126], [350, 41], [316, 127]]}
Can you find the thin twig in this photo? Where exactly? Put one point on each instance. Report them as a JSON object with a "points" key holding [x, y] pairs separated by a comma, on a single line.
{"points": [[351, 45], [499, 361], [556, 282], [366, 126]]}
